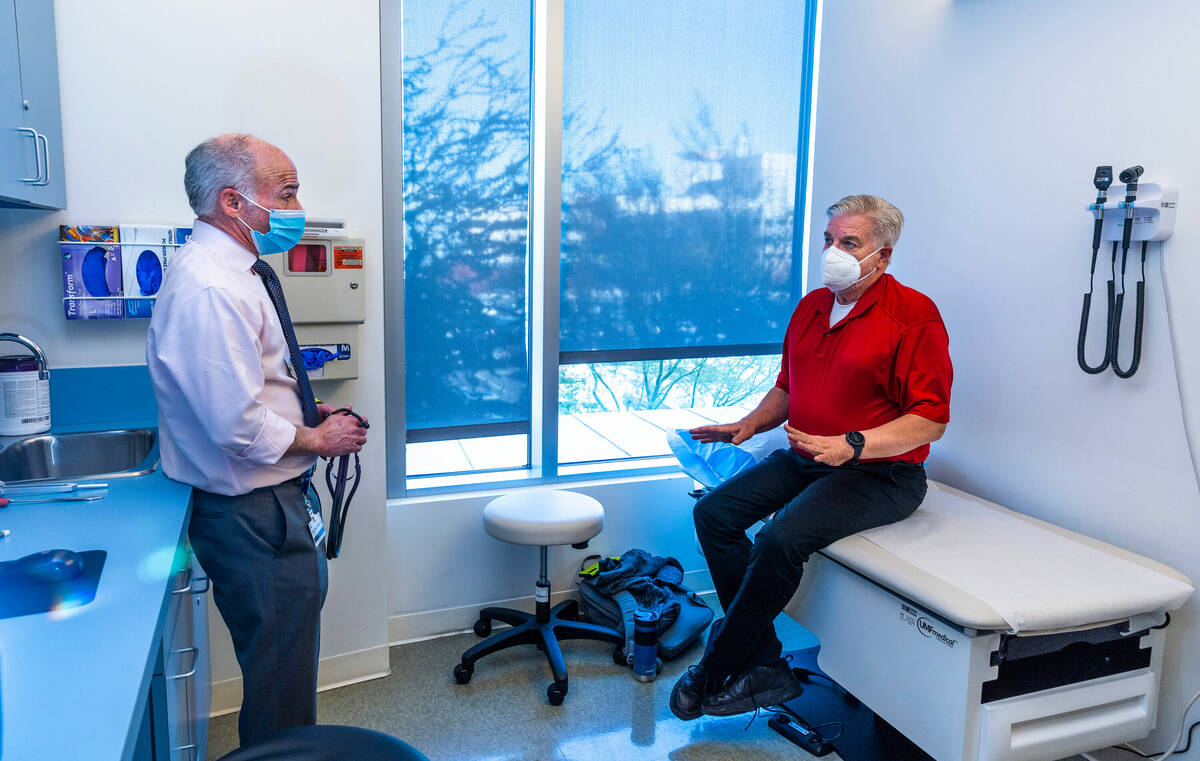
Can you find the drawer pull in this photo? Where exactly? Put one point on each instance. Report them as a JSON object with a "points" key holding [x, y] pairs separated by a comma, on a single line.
{"points": [[186, 587], [195, 651]]}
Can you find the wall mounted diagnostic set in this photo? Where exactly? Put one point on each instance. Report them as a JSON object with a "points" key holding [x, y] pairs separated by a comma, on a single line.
{"points": [[1146, 214]]}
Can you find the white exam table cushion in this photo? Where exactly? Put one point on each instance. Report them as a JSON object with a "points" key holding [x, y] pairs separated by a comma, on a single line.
{"points": [[985, 567]]}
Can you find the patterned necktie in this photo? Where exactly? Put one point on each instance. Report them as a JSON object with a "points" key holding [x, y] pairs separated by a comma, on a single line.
{"points": [[308, 404]]}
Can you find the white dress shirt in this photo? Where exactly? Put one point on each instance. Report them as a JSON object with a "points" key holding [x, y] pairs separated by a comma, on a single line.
{"points": [[227, 402]]}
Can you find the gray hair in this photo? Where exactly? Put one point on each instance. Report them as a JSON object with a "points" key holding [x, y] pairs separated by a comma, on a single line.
{"points": [[225, 161], [887, 218]]}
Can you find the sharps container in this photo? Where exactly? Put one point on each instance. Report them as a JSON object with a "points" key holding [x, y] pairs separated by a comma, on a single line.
{"points": [[24, 397], [645, 645]]}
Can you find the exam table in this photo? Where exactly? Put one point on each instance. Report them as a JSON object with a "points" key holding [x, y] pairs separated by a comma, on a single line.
{"points": [[983, 634]]}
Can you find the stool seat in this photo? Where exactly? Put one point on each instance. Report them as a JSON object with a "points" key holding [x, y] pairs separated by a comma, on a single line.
{"points": [[543, 517]]}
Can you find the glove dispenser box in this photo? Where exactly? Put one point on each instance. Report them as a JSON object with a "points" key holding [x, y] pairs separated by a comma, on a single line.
{"points": [[323, 282]]}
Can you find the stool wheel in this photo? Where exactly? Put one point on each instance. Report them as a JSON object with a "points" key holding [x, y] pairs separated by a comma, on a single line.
{"points": [[483, 628], [556, 693], [618, 656], [463, 672]]}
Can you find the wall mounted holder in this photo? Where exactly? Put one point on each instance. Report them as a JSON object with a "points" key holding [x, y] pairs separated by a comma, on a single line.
{"points": [[1153, 212]]}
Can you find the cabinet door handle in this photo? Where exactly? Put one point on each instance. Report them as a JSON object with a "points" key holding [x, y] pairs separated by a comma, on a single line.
{"points": [[45, 143], [195, 651], [186, 587], [37, 156], [189, 748], [199, 590]]}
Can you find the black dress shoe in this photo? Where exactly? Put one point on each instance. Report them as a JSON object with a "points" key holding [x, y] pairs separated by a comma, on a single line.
{"points": [[689, 691], [757, 687]]}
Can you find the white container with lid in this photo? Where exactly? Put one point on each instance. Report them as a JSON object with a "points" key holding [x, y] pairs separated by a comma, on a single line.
{"points": [[24, 397]]}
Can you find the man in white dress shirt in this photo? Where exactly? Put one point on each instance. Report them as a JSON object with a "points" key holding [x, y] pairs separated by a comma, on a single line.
{"points": [[232, 419]]}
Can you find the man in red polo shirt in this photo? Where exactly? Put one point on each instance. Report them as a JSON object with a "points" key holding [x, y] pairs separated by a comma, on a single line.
{"points": [[864, 388]]}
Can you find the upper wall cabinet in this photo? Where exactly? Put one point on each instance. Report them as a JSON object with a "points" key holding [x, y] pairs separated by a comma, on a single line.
{"points": [[31, 163]]}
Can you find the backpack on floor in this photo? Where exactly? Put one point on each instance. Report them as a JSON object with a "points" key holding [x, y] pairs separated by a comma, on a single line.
{"points": [[616, 612]]}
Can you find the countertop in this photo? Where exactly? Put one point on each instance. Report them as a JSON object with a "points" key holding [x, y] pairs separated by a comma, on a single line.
{"points": [[73, 683]]}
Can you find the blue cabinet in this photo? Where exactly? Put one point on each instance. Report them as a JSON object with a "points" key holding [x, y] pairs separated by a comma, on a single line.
{"points": [[175, 722], [31, 154]]}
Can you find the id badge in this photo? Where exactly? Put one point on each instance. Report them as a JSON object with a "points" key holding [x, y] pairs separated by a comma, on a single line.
{"points": [[316, 526]]}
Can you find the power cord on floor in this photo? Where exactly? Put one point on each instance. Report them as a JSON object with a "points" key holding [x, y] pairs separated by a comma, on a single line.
{"points": [[805, 674], [783, 710]]}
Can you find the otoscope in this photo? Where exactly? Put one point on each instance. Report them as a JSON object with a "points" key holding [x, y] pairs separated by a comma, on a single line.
{"points": [[1130, 178], [1102, 181]]}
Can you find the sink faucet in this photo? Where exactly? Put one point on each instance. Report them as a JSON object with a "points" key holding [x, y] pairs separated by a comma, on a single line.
{"points": [[43, 372]]}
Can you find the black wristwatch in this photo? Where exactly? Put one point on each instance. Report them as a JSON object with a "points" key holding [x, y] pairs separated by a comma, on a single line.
{"points": [[856, 440]]}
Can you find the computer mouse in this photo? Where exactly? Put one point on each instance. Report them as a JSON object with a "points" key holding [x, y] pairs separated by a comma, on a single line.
{"points": [[41, 568]]}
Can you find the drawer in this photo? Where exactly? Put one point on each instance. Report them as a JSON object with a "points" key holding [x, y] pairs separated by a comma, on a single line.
{"points": [[1063, 721]]}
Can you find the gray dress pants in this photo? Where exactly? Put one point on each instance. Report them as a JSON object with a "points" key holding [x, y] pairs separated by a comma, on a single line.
{"points": [[269, 583]]}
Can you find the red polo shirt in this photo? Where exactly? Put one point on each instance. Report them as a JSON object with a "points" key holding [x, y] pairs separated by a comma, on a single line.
{"points": [[889, 357]]}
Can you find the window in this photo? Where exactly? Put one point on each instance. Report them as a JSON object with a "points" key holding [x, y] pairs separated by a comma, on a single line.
{"points": [[466, 200], [561, 311]]}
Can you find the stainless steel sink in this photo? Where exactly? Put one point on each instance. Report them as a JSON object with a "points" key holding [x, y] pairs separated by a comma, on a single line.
{"points": [[101, 454]]}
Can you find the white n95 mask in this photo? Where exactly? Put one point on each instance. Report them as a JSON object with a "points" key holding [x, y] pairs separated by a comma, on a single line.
{"points": [[841, 269]]}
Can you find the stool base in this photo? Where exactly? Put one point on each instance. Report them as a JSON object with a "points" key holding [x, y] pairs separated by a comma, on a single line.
{"points": [[545, 629]]}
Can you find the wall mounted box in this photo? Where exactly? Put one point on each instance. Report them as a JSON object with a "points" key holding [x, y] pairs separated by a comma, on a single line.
{"points": [[323, 280], [340, 340], [145, 252], [324, 284], [92, 281], [1153, 212]]}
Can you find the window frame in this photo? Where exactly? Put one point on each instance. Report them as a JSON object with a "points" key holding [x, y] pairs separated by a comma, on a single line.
{"points": [[545, 227]]}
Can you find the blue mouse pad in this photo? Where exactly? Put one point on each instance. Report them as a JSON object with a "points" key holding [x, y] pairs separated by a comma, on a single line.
{"points": [[40, 598]]}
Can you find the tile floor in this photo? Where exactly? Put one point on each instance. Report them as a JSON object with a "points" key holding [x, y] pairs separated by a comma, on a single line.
{"points": [[502, 715]]}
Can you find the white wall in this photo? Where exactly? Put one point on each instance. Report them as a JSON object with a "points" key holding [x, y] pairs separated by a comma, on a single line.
{"points": [[446, 567], [144, 81], [983, 122]]}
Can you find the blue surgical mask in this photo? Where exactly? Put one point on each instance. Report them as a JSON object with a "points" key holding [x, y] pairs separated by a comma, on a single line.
{"points": [[285, 231]]}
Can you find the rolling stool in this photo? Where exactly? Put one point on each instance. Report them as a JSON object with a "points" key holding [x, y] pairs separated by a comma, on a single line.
{"points": [[540, 518]]}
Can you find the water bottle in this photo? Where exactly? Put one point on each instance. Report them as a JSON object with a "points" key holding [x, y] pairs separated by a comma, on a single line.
{"points": [[645, 645]]}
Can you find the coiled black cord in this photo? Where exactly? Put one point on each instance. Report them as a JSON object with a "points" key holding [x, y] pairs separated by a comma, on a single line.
{"points": [[1138, 321], [1109, 342]]}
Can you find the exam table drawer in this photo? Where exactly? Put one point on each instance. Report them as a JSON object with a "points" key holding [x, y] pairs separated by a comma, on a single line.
{"points": [[1067, 720]]}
